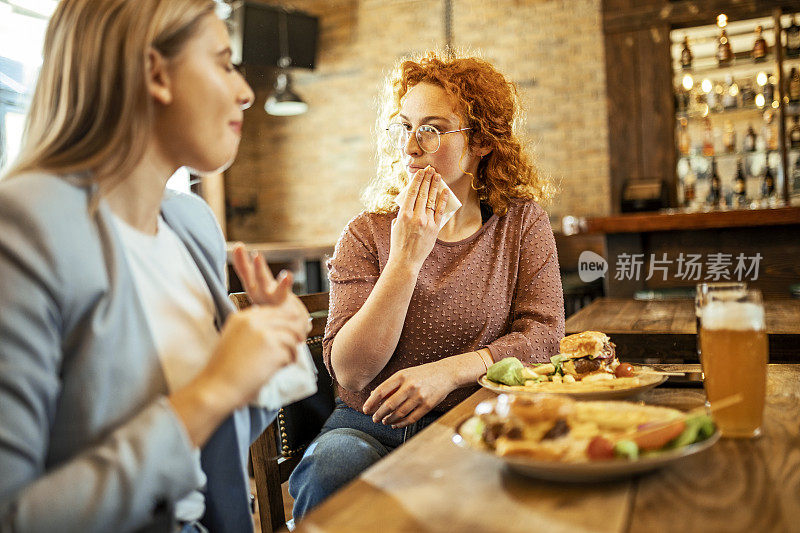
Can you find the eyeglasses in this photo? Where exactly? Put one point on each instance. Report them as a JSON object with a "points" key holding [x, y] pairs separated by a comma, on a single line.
{"points": [[428, 137]]}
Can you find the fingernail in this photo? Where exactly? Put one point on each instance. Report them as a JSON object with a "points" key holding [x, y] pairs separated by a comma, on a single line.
{"points": [[394, 426]]}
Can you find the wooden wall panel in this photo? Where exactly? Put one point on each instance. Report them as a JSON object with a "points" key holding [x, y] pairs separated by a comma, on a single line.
{"points": [[624, 138], [657, 108]]}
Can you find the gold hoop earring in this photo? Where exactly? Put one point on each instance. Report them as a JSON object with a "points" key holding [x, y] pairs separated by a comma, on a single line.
{"points": [[472, 184]]}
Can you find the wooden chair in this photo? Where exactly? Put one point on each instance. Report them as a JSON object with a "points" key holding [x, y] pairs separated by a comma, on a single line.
{"points": [[280, 447]]}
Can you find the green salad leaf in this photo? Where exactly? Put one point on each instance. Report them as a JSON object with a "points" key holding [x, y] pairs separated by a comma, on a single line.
{"points": [[507, 371]]}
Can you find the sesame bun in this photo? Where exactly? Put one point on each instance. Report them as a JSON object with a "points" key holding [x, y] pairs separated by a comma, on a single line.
{"points": [[583, 344]]}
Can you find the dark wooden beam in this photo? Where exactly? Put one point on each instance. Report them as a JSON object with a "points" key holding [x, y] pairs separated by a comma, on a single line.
{"points": [[619, 17]]}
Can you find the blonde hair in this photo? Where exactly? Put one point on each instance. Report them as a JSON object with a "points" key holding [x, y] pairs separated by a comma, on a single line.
{"points": [[91, 110], [489, 103]]}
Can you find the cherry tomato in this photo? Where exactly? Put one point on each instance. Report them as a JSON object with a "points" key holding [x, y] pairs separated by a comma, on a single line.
{"points": [[624, 370], [600, 449]]}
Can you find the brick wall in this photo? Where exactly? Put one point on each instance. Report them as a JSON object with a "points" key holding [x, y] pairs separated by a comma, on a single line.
{"points": [[299, 178]]}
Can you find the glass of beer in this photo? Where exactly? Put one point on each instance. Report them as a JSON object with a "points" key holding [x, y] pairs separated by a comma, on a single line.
{"points": [[733, 341], [702, 290]]}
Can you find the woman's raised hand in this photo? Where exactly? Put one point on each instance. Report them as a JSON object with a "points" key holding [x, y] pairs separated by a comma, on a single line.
{"points": [[258, 341], [415, 229], [257, 279]]}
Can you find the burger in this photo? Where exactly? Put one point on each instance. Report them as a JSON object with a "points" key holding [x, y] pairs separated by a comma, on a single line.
{"points": [[589, 354]]}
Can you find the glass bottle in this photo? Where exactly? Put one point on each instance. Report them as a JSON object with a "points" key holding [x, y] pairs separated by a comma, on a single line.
{"points": [[769, 93], [730, 93], [749, 144], [724, 51], [690, 186], [686, 54], [748, 94], [768, 186], [794, 86], [708, 139], [759, 46], [729, 138], [684, 144], [714, 197], [739, 199], [796, 178], [719, 92], [794, 133], [770, 133], [793, 39]]}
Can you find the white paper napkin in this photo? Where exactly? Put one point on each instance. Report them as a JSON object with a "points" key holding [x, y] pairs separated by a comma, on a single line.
{"points": [[291, 383], [450, 209]]}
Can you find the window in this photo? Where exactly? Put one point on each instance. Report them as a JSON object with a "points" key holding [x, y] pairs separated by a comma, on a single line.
{"points": [[22, 27]]}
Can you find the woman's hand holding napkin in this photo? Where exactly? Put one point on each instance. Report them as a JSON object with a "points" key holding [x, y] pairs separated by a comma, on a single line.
{"points": [[423, 204], [450, 207]]}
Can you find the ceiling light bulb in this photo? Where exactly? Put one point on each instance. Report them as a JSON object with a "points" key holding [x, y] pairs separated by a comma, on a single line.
{"points": [[761, 79], [722, 20], [760, 100], [688, 82], [706, 86]]}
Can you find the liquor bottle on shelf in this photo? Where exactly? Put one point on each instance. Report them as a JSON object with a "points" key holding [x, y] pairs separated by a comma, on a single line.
{"points": [[768, 186], [708, 139], [719, 94], [793, 39], [684, 144], [748, 94], [794, 133], [749, 144], [730, 92], [794, 86], [770, 133], [714, 197], [724, 51], [711, 97], [769, 92], [739, 199], [686, 55], [796, 179], [759, 46], [690, 186], [729, 138]]}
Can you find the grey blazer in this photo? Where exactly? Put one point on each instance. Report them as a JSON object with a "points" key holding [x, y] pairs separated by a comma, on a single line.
{"points": [[88, 441]]}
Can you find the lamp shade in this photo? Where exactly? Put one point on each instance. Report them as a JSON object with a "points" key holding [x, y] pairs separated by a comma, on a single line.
{"points": [[284, 102]]}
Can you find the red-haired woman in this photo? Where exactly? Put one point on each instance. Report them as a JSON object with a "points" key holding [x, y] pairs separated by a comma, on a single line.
{"points": [[419, 309]]}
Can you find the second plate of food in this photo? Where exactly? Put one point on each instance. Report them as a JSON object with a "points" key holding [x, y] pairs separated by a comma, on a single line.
{"points": [[644, 378]]}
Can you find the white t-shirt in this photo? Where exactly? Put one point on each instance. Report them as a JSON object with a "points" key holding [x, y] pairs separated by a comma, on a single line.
{"points": [[180, 314]]}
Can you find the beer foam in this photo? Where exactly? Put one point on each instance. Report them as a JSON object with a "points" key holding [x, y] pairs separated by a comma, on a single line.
{"points": [[739, 316]]}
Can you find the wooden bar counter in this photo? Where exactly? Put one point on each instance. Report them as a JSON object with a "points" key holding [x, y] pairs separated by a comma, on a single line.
{"points": [[772, 233]]}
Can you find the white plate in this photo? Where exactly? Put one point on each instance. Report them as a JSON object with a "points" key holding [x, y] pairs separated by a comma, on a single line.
{"points": [[647, 382], [595, 470]]}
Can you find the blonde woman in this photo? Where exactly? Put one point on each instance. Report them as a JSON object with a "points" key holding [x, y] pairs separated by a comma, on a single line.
{"points": [[418, 313], [125, 376]]}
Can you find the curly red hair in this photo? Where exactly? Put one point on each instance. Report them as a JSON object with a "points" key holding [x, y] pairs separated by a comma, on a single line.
{"points": [[488, 103]]}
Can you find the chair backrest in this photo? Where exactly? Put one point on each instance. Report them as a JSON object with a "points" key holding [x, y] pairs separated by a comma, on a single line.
{"points": [[278, 450]]}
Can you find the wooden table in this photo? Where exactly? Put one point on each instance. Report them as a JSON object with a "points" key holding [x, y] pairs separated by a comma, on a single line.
{"points": [[666, 330], [430, 484]]}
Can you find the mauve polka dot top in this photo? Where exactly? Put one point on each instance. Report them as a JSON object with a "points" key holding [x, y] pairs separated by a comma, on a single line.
{"points": [[499, 288]]}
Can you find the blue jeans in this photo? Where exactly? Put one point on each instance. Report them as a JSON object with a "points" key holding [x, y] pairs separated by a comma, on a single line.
{"points": [[349, 443]]}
